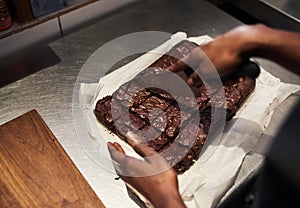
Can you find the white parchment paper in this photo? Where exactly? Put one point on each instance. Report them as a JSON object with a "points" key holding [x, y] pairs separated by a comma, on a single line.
{"points": [[208, 179]]}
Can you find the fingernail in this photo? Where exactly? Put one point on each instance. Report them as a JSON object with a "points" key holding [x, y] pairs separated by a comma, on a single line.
{"points": [[132, 137], [109, 145], [190, 82], [170, 68]]}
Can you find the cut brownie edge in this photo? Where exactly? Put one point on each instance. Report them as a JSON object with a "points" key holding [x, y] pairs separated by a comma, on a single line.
{"points": [[103, 111]]}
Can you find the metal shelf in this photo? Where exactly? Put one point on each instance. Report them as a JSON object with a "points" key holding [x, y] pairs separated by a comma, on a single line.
{"points": [[275, 13], [71, 5]]}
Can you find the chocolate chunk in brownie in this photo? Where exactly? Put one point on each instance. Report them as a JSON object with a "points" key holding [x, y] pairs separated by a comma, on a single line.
{"points": [[161, 93]]}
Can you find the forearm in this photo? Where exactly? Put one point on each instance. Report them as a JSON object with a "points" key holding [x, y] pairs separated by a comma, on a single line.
{"points": [[236, 46], [164, 194], [170, 201], [279, 46]]}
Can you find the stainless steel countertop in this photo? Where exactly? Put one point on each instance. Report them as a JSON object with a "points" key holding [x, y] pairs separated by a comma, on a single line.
{"points": [[50, 90], [290, 7]]}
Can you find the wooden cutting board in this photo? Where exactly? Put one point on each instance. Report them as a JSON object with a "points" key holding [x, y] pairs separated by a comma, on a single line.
{"points": [[35, 171]]}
